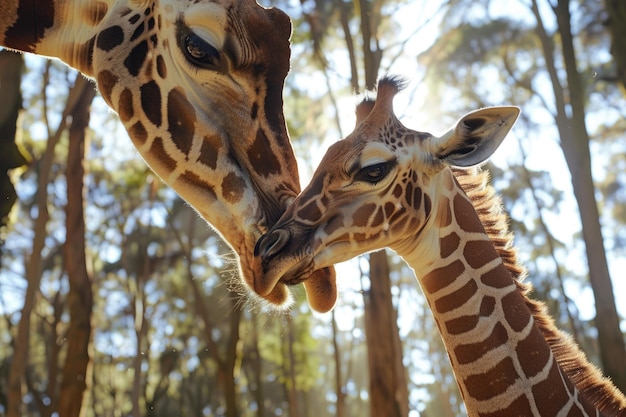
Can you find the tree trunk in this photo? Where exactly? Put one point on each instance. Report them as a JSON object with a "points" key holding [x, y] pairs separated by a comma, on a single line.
{"points": [[616, 24], [388, 384], [257, 363], [33, 265], [290, 371], [229, 365], [76, 370], [141, 329], [11, 66], [371, 57], [339, 387], [577, 154], [575, 145]]}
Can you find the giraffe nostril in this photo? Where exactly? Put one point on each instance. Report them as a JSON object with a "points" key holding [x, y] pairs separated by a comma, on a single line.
{"points": [[271, 243]]}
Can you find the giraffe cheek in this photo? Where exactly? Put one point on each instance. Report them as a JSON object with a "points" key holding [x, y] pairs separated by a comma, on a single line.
{"points": [[106, 81], [361, 217], [310, 212]]}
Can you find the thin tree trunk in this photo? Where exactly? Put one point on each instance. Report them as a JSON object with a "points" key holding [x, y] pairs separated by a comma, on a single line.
{"points": [[11, 66], [290, 368], [232, 360], [141, 330], [339, 388], [344, 9], [575, 145], [257, 362], [388, 384], [76, 375], [33, 265], [550, 242], [371, 57], [616, 23], [228, 365]]}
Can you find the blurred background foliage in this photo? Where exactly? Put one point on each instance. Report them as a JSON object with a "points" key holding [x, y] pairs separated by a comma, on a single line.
{"points": [[171, 331]]}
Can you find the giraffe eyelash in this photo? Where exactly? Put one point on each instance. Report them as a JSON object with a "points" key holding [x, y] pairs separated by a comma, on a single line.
{"points": [[197, 51]]}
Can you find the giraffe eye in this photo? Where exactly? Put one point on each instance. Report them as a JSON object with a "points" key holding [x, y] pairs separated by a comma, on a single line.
{"points": [[374, 173], [197, 51]]}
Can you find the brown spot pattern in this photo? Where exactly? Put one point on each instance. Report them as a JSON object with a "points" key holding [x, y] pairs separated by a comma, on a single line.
{"points": [[138, 31], [457, 298], [332, 226], [138, 134], [106, 81], [150, 94], [194, 180], [379, 218], [492, 382], [158, 151], [254, 111], [466, 216], [362, 214], [23, 35], [448, 244], [260, 155], [427, 206], [462, 324], [499, 277], [181, 120], [442, 277], [125, 107], [161, 67], [515, 311], [533, 353], [550, 397], [479, 252], [310, 211], [408, 194], [487, 305], [210, 150], [232, 187], [471, 352], [135, 59], [397, 191], [389, 209], [110, 38], [417, 198]]}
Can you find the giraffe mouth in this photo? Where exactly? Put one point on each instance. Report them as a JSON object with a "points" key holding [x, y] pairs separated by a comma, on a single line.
{"points": [[277, 273]]}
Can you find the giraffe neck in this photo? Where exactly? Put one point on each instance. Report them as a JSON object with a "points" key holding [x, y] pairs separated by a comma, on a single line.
{"points": [[507, 355], [58, 28]]}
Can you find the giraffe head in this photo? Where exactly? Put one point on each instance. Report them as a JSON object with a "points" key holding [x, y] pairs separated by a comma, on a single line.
{"points": [[198, 86], [377, 188]]}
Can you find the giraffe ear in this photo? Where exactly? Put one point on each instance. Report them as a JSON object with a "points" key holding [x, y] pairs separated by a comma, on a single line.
{"points": [[476, 136]]}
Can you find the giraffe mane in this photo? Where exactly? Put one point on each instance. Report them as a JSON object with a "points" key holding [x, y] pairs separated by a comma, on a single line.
{"points": [[587, 378]]}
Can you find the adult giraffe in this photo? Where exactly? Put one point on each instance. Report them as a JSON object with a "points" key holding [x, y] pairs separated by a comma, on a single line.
{"points": [[198, 86], [386, 185]]}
